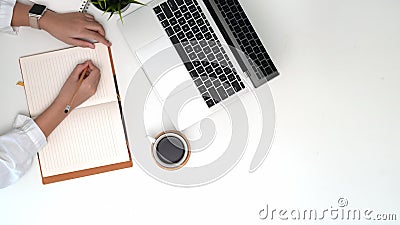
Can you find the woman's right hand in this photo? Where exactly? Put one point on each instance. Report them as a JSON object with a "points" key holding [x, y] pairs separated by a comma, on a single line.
{"points": [[87, 89]]}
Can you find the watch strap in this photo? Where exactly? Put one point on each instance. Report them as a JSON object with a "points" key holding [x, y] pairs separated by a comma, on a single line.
{"points": [[34, 21]]}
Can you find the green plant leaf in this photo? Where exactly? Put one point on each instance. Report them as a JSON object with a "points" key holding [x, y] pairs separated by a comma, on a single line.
{"points": [[136, 2], [111, 14]]}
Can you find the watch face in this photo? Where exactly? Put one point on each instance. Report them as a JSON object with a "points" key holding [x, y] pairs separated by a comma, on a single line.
{"points": [[37, 9]]}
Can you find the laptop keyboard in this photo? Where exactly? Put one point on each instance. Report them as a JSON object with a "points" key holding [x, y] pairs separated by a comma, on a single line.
{"points": [[247, 38], [199, 48]]}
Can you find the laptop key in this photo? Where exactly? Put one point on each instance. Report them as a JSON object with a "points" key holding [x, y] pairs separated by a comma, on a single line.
{"points": [[177, 28], [216, 82], [203, 43], [208, 36], [157, 9], [199, 36], [191, 22], [197, 48], [188, 49], [227, 70], [220, 56], [222, 78], [231, 77], [189, 66], [192, 8], [165, 23], [192, 56], [219, 71], [230, 91], [202, 89], [207, 50], [188, 2], [201, 55], [179, 2], [178, 15], [209, 69], [204, 29], [210, 103], [196, 15], [190, 35], [200, 70], [194, 74], [187, 15], [174, 39], [184, 8], [195, 29], [204, 77], [181, 21], [170, 31], [200, 22], [222, 92], [210, 57], [208, 83], [213, 76], [185, 28], [167, 10], [214, 94], [236, 86], [181, 35], [161, 16], [198, 82], [172, 5]]}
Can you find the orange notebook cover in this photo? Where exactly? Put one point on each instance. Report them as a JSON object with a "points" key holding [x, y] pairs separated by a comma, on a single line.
{"points": [[92, 139]]}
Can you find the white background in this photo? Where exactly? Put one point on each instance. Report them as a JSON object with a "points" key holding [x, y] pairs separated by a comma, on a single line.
{"points": [[338, 122]]}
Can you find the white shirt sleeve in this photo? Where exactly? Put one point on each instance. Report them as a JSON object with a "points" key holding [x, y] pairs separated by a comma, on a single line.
{"points": [[6, 13], [17, 149]]}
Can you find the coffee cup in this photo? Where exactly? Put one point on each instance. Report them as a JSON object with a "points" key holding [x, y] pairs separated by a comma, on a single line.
{"points": [[170, 150]]}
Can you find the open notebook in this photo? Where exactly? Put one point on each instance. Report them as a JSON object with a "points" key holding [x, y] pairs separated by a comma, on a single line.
{"points": [[92, 138]]}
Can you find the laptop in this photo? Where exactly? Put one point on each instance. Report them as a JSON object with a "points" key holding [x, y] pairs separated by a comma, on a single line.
{"points": [[199, 55]]}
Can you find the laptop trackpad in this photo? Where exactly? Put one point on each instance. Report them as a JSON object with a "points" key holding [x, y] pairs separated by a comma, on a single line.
{"points": [[163, 67], [140, 27]]}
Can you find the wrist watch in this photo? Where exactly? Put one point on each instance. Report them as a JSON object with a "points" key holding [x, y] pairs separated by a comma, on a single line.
{"points": [[35, 13]]}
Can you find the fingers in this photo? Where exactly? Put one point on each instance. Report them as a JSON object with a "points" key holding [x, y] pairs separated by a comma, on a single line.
{"points": [[92, 35], [94, 75], [78, 70], [89, 16], [95, 26], [81, 43], [90, 30]]}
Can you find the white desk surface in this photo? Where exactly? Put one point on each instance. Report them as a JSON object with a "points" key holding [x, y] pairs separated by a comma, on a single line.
{"points": [[338, 123]]}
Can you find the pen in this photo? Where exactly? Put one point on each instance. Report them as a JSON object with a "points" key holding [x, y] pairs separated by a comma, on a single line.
{"points": [[68, 107]]}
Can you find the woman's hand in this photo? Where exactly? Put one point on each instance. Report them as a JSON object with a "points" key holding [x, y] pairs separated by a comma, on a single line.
{"points": [[87, 89], [77, 29], [54, 115]]}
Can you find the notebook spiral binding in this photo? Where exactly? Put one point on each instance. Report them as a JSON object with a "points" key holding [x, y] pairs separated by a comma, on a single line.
{"points": [[85, 5]]}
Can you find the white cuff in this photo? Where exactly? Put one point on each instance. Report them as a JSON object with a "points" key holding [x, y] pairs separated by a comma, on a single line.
{"points": [[27, 125], [6, 13]]}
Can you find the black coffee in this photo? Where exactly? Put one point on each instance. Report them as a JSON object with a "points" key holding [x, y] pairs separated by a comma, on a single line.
{"points": [[170, 150]]}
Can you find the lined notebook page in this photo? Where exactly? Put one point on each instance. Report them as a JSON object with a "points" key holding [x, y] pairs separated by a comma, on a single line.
{"points": [[89, 137], [45, 74]]}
